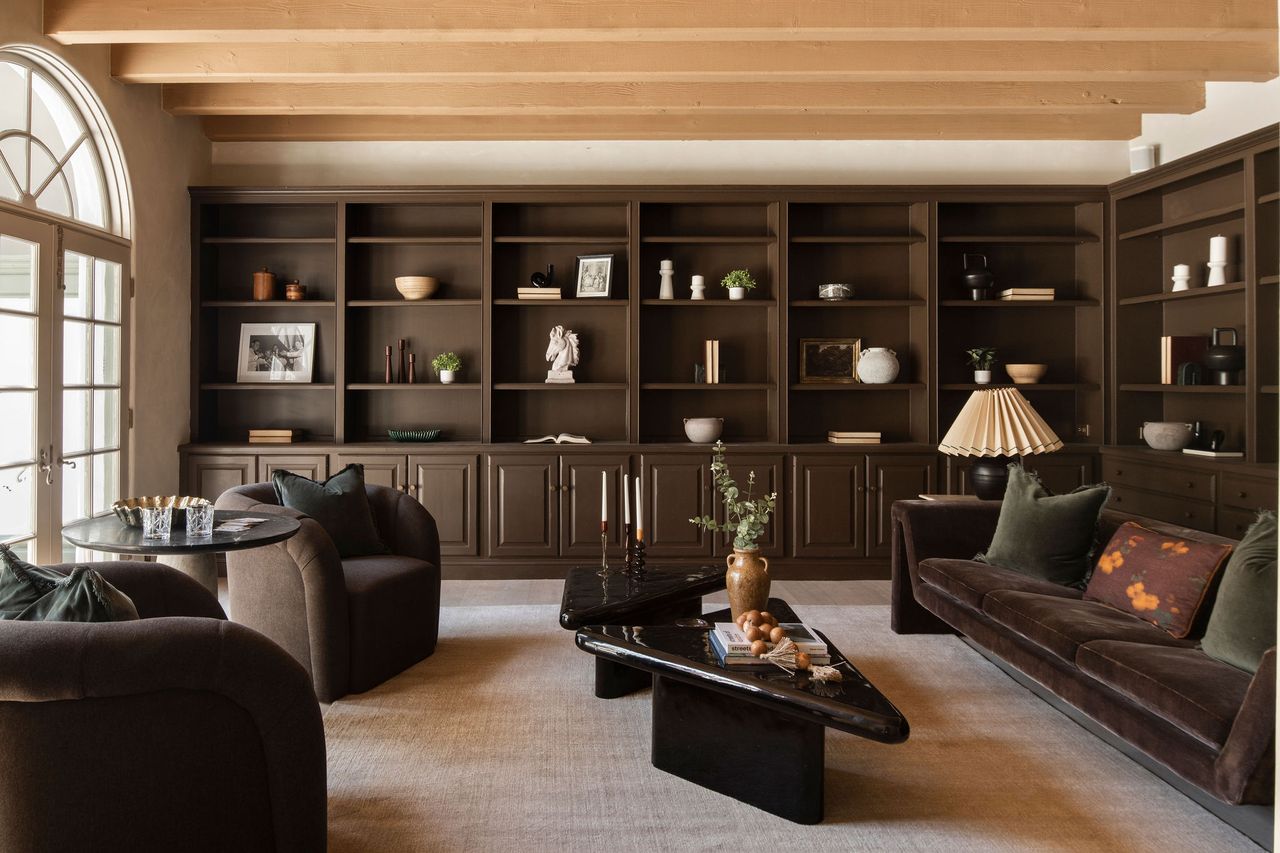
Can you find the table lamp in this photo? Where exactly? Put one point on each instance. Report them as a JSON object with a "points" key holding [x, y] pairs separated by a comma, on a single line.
{"points": [[996, 426]]}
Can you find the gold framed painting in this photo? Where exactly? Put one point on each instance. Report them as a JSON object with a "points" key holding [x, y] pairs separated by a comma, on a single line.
{"points": [[829, 361]]}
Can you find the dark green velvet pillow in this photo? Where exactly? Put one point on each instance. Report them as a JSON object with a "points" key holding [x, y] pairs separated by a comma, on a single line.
{"points": [[339, 505], [1242, 625], [35, 594], [1043, 535]]}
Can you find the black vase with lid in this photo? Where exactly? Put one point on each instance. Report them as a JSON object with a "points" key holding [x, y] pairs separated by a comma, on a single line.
{"points": [[978, 278], [1224, 361]]}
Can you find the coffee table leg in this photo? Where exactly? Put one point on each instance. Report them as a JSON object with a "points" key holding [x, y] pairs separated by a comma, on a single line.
{"points": [[613, 680], [737, 748], [202, 568]]}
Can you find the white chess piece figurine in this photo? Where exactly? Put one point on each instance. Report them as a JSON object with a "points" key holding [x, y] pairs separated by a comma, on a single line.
{"points": [[698, 288], [667, 270], [1181, 277], [562, 352]]}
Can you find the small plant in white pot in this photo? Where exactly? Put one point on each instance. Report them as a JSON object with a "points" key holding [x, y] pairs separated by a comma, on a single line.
{"points": [[447, 364], [738, 282], [981, 358]]}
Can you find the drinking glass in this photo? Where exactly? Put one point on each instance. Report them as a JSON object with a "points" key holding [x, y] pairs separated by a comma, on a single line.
{"points": [[200, 520], [156, 521]]}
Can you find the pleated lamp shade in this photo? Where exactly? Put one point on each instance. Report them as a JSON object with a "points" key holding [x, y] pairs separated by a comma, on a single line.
{"points": [[999, 422]]}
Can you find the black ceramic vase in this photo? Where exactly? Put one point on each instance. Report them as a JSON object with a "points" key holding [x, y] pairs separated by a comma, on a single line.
{"points": [[989, 476]]}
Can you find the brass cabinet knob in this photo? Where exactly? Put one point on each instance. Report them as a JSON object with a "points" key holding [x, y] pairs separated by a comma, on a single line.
{"points": [[1242, 494]]}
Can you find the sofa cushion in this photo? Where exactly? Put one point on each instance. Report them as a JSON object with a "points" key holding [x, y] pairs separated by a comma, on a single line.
{"points": [[1062, 625], [1185, 686], [970, 581], [22, 584], [339, 505], [84, 595], [1242, 625], [1159, 578], [1046, 536]]}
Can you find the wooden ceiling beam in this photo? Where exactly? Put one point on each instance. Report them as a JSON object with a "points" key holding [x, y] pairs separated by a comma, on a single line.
{"points": [[816, 62], [1109, 125], [120, 21], [617, 99]]}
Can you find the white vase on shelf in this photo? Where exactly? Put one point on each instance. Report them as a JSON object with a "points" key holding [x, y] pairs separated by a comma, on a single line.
{"points": [[737, 293], [982, 377], [667, 270], [877, 366], [1181, 277], [446, 377], [698, 288]]}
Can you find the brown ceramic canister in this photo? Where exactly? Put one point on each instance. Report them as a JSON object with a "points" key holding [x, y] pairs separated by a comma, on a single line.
{"points": [[295, 292], [264, 285]]}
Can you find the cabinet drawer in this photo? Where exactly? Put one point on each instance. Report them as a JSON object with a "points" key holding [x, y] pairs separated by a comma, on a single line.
{"points": [[1251, 493], [1194, 514], [1234, 522], [1178, 482]]}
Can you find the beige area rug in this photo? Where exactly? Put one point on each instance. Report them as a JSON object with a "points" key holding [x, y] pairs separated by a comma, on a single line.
{"points": [[497, 743]]}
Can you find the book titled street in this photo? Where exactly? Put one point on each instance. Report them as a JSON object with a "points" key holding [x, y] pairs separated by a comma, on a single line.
{"points": [[272, 436], [733, 648], [848, 437], [535, 294], [1027, 294], [562, 438]]}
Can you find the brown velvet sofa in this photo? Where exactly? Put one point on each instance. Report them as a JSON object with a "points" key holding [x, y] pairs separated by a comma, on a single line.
{"points": [[1209, 723], [352, 623], [179, 731]]}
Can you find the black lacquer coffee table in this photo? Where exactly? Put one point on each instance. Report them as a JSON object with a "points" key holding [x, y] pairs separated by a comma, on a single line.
{"points": [[754, 734], [661, 595]]}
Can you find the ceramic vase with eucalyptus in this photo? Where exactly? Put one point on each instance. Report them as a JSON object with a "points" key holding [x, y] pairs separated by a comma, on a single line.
{"points": [[747, 581]]}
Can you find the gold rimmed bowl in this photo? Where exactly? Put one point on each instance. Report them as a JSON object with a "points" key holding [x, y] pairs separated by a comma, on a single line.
{"points": [[129, 510]]}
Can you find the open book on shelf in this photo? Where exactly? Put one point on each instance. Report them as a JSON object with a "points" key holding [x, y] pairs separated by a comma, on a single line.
{"points": [[562, 438]]}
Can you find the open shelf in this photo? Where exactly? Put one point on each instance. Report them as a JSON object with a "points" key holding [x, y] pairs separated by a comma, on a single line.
{"points": [[709, 240], [1268, 198], [1193, 293], [415, 303], [416, 386], [267, 386], [1269, 279], [264, 241], [553, 240], [1270, 389], [708, 303], [1015, 239], [559, 386], [858, 303], [560, 303], [270, 303], [1205, 217], [856, 386], [1032, 386], [1018, 303], [860, 239], [417, 241], [703, 386], [1155, 388]]}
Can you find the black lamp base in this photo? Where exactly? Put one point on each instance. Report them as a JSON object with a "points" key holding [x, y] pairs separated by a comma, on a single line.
{"points": [[989, 476]]}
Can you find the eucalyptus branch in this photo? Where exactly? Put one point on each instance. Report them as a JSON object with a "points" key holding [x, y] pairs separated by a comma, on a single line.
{"points": [[744, 519]]}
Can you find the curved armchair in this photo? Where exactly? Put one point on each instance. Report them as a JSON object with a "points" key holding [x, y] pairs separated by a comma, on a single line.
{"points": [[351, 623], [180, 731]]}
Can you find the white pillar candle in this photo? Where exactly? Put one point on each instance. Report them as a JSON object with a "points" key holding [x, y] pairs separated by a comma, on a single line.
{"points": [[626, 498], [639, 511], [604, 498], [1217, 248], [1181, 270]]}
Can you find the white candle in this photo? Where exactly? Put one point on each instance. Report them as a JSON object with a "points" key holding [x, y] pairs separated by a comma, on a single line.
{"points": [[604, 498], [1181, 270], [1217, 248], [626, 498], [639, 511]]}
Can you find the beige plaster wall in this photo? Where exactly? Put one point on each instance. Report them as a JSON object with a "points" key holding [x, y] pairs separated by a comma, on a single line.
{"points": [[1230, 110], [164, 155]]}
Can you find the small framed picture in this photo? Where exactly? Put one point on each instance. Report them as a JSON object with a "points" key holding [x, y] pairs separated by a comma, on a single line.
{"points": [[595, 276], [276, 352], [829, 360]]}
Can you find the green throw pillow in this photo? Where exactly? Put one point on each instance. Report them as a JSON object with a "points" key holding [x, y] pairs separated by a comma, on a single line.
{"points": [[1043, 535], [339, 505], [1242, 625], [35, 594], [22, 584]]}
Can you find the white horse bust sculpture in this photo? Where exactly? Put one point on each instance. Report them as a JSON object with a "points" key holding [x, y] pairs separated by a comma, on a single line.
{"points": [[562, 352]]}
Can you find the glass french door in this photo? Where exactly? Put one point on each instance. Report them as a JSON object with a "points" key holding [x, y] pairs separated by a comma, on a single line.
{"points": [[62, 382]]}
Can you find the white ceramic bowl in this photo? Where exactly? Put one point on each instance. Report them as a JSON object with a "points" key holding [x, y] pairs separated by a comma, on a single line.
{"points": [[703, 430], [1167, 435], [415, 287]]}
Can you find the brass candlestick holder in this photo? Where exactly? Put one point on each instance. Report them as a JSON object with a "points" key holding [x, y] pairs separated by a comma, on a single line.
{"points": [[635, 552]]}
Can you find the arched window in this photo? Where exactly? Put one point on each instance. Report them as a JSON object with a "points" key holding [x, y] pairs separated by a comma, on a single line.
{"points": [[64, 291]]}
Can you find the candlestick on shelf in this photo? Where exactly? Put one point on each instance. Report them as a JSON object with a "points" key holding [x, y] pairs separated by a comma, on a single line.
{"points": [[604, 498], [387, 377], [401, 374], [639, 513], [604, 548], [1217, 261], [626, 501]]}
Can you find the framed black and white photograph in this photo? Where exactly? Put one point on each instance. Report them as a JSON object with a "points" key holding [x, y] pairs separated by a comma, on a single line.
{"points": [[595, 276], [276, 352], [829, 360]]}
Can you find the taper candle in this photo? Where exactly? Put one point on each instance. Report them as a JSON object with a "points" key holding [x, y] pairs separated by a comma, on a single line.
{"points": [[604, 498], [626, 498], [639, 513]]}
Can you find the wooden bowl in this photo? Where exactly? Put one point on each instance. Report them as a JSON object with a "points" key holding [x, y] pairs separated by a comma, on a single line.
{"points": [[129, 510], [1026, 374], [415, 287]]}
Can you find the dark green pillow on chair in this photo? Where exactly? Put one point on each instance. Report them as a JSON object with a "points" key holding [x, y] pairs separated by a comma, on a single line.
{"points": [[1043, 535], [35, 594], [339, 505], [1242, 625]]}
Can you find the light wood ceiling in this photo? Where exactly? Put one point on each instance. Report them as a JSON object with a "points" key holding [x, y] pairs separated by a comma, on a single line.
{"points": [[676, 69]]}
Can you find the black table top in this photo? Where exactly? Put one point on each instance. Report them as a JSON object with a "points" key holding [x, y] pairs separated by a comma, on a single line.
{"points": [[110, 534], [593, 600], [853, 705]]}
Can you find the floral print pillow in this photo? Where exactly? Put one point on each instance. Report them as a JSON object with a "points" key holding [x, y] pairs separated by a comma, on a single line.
{"points": [[1159, 578]]}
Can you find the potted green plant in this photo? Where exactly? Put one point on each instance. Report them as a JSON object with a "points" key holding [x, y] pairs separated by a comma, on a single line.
{"points": [[981, 358], [738, 283], [745, 518], [447, 364]]}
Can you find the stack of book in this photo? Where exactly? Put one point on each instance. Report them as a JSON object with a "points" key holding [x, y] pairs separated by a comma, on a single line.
{"points": [[1177, 350], [839, 437], [1027, 294], [271, 436], [733, 649], [537, 293], [712, 355]]}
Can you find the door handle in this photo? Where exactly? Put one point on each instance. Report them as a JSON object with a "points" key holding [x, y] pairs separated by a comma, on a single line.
{"points": [[46, 466]]}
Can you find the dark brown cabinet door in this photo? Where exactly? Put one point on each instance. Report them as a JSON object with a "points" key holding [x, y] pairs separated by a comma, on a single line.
{"points": [[208, 476], [313, 467], [524, 505], [827, 510], [889, 479], [769, 478], [446, 486], [1060, 472], [580, 502], [389, 471], [677, 487]]}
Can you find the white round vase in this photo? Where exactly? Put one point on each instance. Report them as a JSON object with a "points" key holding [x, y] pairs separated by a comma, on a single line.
{"points": [[877, 366], [737, 293], [446, 377]]}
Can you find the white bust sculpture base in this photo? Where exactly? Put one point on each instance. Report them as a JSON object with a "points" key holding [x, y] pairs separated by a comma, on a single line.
{"points": [[561, 376]]}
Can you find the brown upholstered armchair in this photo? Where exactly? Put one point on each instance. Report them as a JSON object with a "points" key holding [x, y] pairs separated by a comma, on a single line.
{"points": [[180, 731], [354, 622]]}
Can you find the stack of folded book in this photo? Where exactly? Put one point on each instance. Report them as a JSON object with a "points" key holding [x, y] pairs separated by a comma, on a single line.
{"points": [[271, 436], [733, 649], [839, 437], [1027, 294], [536, 293]]}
